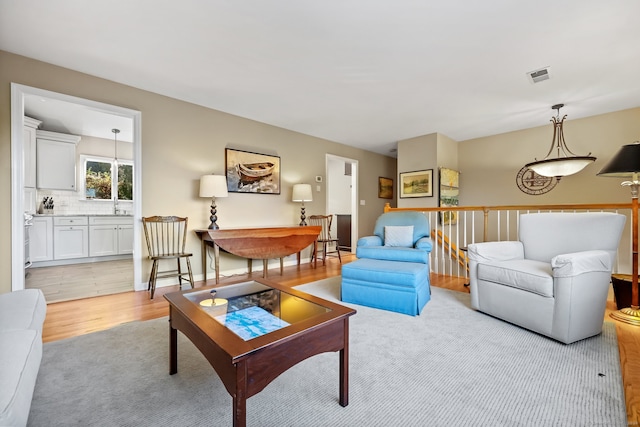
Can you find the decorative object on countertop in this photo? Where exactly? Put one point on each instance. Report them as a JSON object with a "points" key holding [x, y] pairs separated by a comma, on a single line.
{"points": [[302, 193], [47, 206], [213, 186]]}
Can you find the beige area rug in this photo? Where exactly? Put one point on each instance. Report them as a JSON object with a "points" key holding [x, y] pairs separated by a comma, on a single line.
{"points": [[450, 366]]}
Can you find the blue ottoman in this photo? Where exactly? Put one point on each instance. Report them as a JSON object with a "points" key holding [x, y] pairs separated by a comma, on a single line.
{"points": [[390, 285]]}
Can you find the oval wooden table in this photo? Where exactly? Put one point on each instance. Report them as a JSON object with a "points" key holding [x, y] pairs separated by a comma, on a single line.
{"points": [[259, 242]]}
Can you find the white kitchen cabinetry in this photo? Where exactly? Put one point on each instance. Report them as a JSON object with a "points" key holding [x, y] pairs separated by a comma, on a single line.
{"points": [[125, 239], [41, 239], [29, 163], [29, 151], [70, 237], [110, 235], [56, 160]]}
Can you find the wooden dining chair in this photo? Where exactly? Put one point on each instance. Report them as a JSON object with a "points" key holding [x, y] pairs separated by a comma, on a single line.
{"points": [[324, 239], [166, 237]]}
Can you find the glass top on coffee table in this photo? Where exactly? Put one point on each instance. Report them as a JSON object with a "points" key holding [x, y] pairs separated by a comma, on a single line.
{"points": [[251, 309]]}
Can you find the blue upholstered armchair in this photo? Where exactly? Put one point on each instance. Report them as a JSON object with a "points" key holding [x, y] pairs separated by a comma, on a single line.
{"points": [[398, 236], [392, 269]]}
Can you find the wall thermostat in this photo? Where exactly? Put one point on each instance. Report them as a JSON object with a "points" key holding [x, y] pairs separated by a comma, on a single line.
{"points": [[318, 178]]}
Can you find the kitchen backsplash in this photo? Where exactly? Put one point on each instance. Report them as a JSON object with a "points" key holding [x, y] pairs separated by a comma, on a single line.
{"points": [[69, 203]]}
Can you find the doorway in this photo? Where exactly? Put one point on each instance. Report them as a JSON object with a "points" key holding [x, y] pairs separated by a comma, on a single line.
{"points": [[342, 197], [19, 96]]}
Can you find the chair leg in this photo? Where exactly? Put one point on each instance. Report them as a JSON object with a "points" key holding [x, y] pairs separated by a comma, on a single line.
{"points": [[324, 253], [153, 277], [153, 266], [190, 273], [179, 273], [281, 265], [338, 250]]}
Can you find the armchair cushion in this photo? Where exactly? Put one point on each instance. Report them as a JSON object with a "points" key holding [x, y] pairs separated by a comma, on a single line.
{"points": [[379, 247], [390, 253], [398, 235], [527, 275]]}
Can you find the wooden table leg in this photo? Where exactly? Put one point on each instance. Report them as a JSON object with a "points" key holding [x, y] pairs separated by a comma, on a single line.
{"points": [[240, 396], [203, 252], [216, 256], [173, 350], [344, 367]]}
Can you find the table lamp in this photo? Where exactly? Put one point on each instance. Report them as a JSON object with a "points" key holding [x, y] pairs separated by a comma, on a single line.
{"points": [[626, 164], [302, 193], [213, 186]]}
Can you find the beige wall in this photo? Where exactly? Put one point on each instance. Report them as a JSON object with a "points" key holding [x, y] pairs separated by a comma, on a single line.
{"points": [[416, 154], [181, 142], [489, 165], [433, 151]]}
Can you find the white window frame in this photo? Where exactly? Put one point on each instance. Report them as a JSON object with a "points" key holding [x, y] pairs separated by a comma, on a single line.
{"points": [[114, 183]]}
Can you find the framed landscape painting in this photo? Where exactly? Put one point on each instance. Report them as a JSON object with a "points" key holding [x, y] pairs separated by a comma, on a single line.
{"points": [[385, 188], [249, 172], [416, 184]]}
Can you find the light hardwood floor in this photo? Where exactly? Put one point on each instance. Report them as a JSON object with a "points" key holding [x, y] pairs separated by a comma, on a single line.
{"points": [[73, 318], [78, 281]]}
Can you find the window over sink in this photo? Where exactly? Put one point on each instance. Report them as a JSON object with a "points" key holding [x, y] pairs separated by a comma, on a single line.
{"points": [[98, 181]]}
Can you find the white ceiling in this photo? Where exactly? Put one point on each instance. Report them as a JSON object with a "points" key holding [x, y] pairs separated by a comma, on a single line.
{"points": [[366, 73]]}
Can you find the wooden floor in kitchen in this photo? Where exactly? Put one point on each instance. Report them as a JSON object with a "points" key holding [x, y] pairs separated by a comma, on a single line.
{"points": [[79, 281], [72, 318]]}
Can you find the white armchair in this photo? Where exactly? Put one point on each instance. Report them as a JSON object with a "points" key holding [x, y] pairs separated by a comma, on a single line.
{"points": [[555, 279]]}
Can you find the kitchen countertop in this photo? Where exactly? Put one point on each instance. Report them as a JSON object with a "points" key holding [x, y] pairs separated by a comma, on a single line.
{"points": [[82, 214]]}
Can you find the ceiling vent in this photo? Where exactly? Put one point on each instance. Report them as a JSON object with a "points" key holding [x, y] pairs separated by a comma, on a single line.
{"points": [[540, 75]]}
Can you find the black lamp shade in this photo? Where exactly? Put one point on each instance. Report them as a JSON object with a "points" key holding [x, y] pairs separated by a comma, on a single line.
{"points": [[625, 163]]}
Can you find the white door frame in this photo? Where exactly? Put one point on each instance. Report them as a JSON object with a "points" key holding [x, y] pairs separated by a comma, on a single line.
{"points": [[18, 93]]}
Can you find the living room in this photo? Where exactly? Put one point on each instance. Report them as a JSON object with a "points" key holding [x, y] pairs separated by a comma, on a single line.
{"points": [[181, 141]]}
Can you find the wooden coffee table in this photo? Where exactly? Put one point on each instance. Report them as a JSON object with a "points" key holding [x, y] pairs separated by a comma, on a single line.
{"points": [[256, 331]]}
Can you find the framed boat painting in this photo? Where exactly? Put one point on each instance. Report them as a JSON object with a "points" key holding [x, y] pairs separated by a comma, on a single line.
{"points": [[249, 172]]}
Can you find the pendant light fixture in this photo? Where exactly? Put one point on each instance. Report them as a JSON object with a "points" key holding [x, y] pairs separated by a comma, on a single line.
{"points": [[566, 162], [115, 171]]}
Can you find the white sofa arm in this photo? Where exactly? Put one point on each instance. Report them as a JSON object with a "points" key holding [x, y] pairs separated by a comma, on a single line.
{"points": [[573, 264], [495, 251]]}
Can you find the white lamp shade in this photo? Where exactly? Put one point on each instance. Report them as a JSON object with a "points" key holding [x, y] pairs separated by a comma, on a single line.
{"points": [[213, 186], [302, 193], [562, 166]]}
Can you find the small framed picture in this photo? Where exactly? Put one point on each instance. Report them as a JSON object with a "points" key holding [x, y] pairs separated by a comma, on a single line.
{"points": [[416, 184], [385, 188]]}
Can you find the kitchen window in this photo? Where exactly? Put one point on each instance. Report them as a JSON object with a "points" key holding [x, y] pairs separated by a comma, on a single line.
{"points": [[98, 182]]}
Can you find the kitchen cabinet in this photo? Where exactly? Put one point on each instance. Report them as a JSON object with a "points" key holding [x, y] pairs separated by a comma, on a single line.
{"points": [[125, 239], [41, 239], [70, 237], [29, 200], [29, 151], [110, 235], [56, 160]]}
